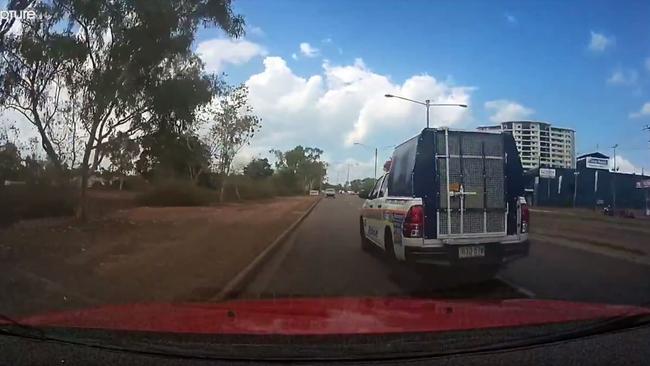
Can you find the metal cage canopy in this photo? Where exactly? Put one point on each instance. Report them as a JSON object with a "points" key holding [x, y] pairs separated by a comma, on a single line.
{"points": [[468, 180]]}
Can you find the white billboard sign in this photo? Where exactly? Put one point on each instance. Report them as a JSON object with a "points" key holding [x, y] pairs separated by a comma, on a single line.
{"points": [[597, 163], [643, 184], [546, 173]]}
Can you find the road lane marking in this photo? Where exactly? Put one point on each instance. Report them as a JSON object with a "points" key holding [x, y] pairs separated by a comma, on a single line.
{"points": [[518, 288], [262, 281]]}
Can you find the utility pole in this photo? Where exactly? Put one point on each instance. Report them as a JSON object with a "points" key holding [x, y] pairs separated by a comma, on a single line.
{"points": [[347, 183], [427, 103], [645, 190], [375, 163], [614, 178], [376, 152], [575, 187]]}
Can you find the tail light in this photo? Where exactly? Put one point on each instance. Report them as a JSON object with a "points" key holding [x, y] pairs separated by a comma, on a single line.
{"points": [[525, 218], [413, 222]]}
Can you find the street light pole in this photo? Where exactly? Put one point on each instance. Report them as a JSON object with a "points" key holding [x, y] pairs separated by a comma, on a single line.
{"points": [[427, 103], [347, 184], [575, 187], [375, 163], [376, 152], [614, 178]]}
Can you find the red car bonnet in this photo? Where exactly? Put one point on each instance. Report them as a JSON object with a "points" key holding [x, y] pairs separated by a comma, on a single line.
{"points": [[329, 316]]}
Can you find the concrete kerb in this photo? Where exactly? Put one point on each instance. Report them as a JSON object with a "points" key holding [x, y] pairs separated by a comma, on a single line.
{"points": [[235, 285]]}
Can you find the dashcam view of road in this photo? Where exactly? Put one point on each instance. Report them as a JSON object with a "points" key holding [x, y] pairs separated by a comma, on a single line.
{"points": [[278, 169], [324, 256], [159, 254]]}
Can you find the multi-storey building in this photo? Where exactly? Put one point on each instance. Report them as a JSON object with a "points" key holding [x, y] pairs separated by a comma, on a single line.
{"points": [[540, 143]]}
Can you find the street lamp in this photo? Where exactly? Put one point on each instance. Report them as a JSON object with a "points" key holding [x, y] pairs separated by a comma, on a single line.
{"points": [[427, 103], [376, 150]]}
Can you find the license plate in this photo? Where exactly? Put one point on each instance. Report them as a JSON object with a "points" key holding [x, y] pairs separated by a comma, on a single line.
{"points": [[471, 252]]}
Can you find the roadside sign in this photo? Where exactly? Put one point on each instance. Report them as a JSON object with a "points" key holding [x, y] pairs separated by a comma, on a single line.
{"points": [[546, 173], [643, 184], [597, 163]]}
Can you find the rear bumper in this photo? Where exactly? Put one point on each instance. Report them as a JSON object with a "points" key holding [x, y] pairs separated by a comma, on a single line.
{"points": [[447, 254]]}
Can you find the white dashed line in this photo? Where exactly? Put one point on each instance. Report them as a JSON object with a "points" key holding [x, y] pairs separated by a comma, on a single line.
{"points": [[524, 291]]}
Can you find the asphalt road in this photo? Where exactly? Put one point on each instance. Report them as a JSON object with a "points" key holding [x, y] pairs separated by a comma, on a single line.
{"points": [[323, 258]]}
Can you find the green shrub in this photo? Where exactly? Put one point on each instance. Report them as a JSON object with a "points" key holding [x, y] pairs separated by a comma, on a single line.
{"points": [[177, 193], [286, 184], [247, 188], [134, 183], [21, 202], [251, 189]]}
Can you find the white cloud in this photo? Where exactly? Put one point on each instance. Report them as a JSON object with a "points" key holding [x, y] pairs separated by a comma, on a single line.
{"points": [[327, 40], [337, 172], [308, 50], [511, 19], [217, 53], [643, 112], [16, 28], [10, 117], [255, 30], [623, 77], [599, 42], [623, 165], [507, 110], [345, 103], [294, 56]]}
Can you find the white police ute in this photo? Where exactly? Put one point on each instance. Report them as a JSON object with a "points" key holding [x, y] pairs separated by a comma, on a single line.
{"points": [[450, 198]]}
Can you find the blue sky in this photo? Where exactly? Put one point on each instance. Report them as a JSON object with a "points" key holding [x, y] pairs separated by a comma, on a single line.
{"points": [[317, 71], [579, 64]]}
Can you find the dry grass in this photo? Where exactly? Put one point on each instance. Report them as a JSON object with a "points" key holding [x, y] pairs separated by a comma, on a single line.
{"points": [[137, 254]]}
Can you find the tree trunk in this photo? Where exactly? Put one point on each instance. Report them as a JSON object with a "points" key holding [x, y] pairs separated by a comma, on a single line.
{"points": [[97, 159], [194, 176], [45, 141], [222, 190], [237, 192], [226, 172], [121, 183], [81, 206]]}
